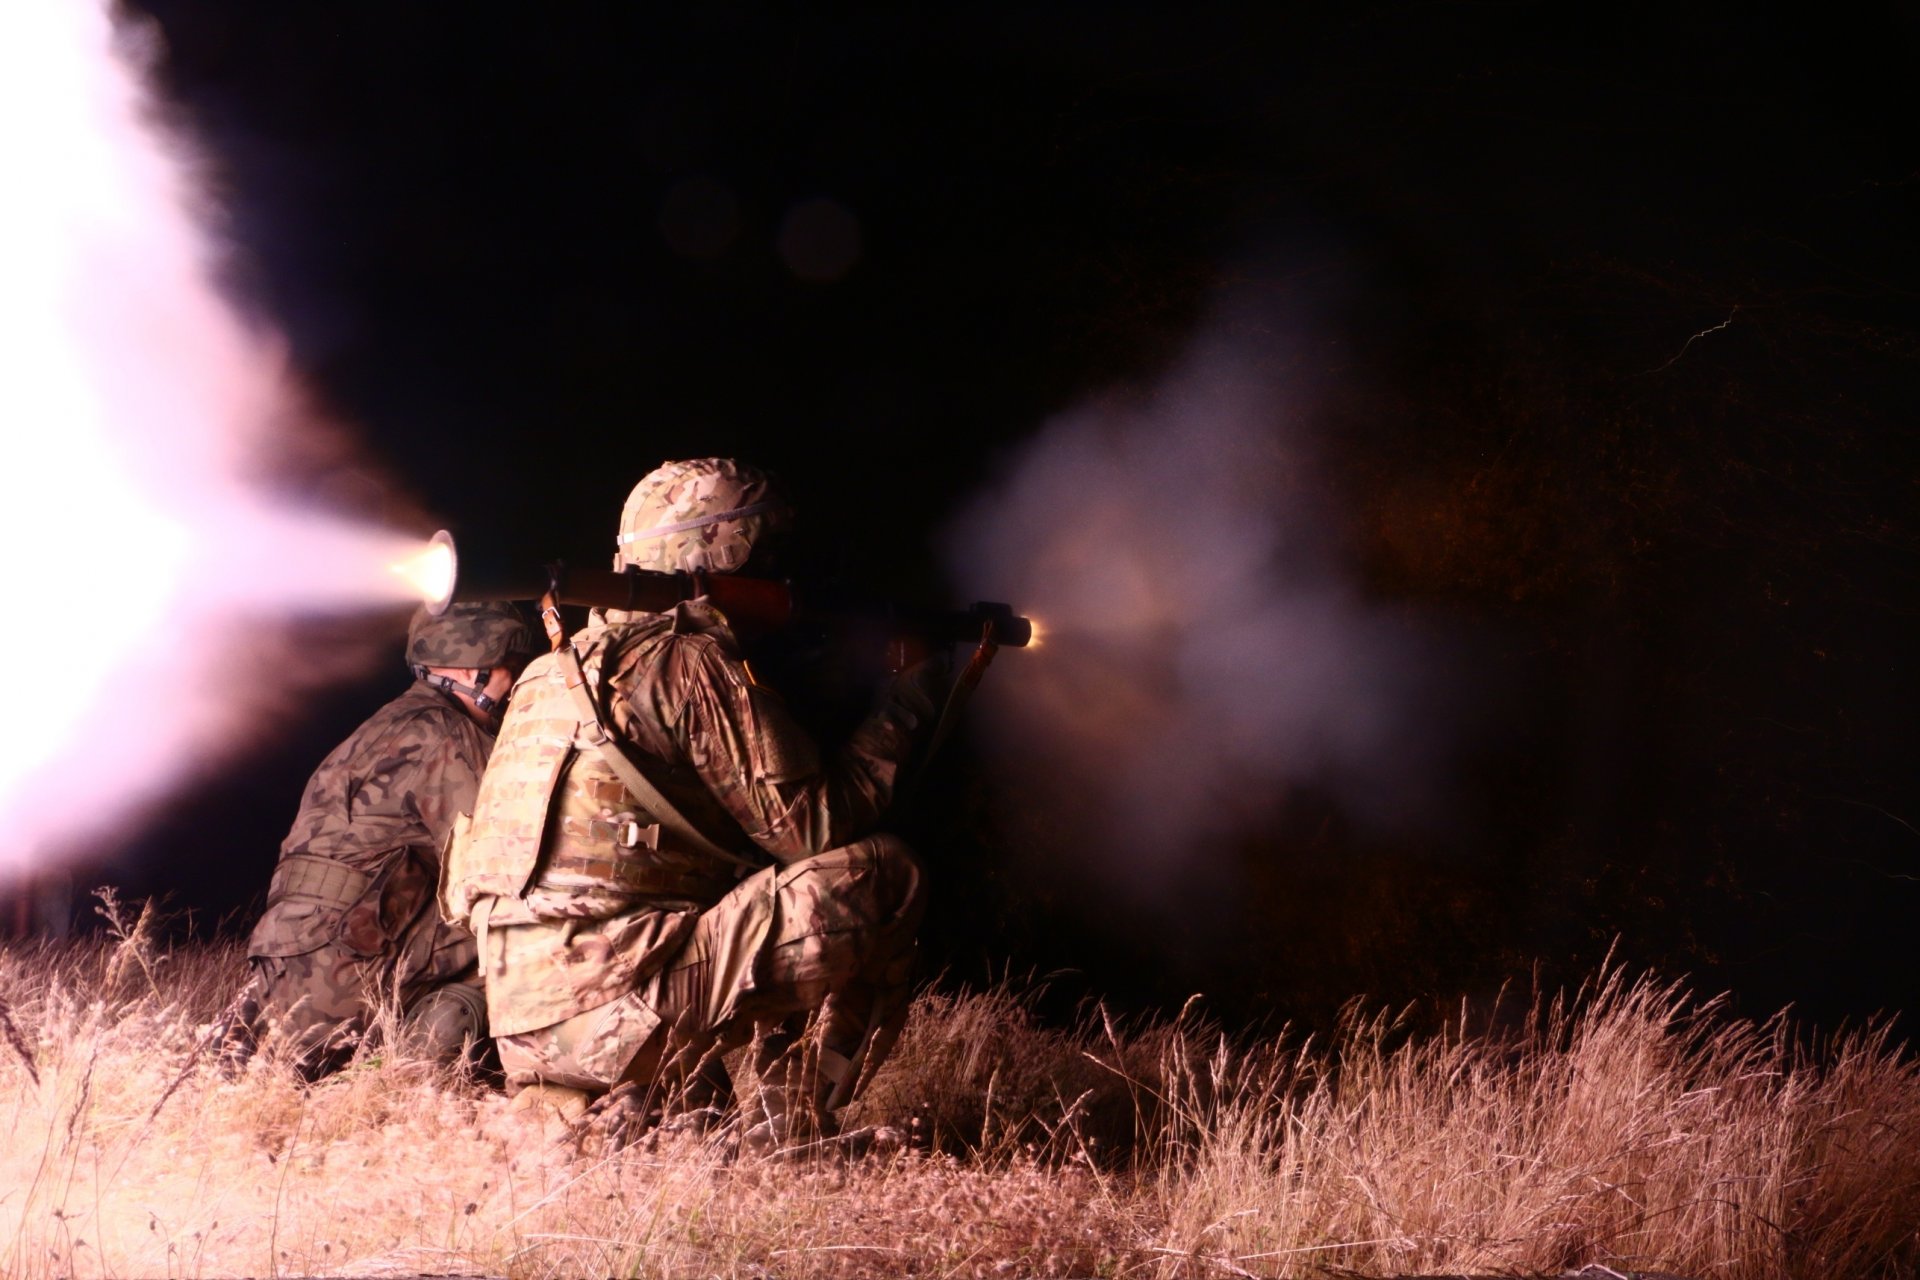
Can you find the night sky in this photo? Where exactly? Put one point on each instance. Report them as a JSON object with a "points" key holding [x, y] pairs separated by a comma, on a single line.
{"points": [[1614, 320]]}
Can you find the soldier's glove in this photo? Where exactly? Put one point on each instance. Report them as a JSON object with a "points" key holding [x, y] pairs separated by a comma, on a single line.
{"points": [[915, 696]]}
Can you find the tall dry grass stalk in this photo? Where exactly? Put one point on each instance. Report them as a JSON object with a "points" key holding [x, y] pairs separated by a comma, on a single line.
{"points": [[1625, 1125]]}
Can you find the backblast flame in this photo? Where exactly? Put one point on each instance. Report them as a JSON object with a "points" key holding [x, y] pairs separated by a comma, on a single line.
{"points": [[140, 406]]}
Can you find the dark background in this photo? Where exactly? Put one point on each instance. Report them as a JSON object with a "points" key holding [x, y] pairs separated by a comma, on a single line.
{"points": [[502, 249]]}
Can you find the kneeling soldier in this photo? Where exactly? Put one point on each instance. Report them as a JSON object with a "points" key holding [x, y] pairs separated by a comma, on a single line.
{"points": [[660, 861], [350, 919]]}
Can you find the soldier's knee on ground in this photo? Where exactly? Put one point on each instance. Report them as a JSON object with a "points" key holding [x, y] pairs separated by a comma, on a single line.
{"points": [[446, 1024]]}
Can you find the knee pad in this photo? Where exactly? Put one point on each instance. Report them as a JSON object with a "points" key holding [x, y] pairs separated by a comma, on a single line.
{"points": [[444, 1022]]}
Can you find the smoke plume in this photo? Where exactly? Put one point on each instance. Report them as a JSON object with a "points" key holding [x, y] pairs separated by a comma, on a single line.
{"points": [[153, 581], [1206, 653]]}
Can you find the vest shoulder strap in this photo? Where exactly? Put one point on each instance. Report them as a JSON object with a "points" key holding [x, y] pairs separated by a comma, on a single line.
{"points": [[635, 781]]}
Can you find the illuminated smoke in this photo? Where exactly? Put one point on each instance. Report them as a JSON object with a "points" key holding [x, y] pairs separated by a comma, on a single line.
{"points": [[151, 586], [1205, 654]]}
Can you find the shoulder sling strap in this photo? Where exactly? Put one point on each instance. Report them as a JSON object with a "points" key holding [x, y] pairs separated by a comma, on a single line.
{"points": [[636, 782]]}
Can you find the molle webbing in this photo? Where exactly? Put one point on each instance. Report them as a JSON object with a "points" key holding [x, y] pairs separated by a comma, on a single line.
{"points": [[624, 873], [624, 856], [308, 877], [566, 827], [625, 831]]}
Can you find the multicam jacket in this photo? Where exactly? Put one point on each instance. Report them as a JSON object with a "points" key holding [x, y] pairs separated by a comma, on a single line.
{"points": [[577, 890], [361, 859]]}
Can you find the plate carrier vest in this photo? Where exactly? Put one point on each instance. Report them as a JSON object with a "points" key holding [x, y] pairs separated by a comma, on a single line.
{"points": [[556, 833]]}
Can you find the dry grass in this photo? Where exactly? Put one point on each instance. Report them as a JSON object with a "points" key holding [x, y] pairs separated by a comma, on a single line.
{"points": [[1626, 1125]]}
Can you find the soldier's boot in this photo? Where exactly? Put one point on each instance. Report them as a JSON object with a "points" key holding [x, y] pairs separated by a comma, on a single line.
{"points": [[768, 1120], [701, 1102], [543, 1099], [615, 1121], [539, 1116], [791, 1112], [235, 1037], [319, 1046], [863, 1021], [447, 1025], [800, 1076]]}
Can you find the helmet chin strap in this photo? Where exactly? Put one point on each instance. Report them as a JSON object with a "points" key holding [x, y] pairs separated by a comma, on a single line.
{"points": [[482, 701]]}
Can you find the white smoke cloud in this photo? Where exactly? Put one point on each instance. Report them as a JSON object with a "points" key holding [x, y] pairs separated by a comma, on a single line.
{"points": [[1205, 651], [150, 584]]}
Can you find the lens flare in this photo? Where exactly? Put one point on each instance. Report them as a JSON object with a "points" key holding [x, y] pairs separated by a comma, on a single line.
{"points": [[139, 411]]}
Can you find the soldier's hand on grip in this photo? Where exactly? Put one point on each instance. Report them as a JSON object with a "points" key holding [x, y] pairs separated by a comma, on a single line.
{"points": [[917, 694]]}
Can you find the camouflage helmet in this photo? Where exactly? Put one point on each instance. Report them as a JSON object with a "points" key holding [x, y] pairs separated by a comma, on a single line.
{"points": [[706, 513], [486, 633]]}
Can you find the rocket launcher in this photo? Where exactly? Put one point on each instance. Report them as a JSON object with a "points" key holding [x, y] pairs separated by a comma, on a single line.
{"points": [[442, 578]]}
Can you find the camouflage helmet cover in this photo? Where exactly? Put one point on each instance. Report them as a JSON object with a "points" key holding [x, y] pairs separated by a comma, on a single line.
{"points": [[486, 633], [705, 513]]}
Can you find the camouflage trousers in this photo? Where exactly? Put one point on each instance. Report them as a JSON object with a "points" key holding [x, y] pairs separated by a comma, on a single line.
{"points": [[320, 1004], [833, 933]]}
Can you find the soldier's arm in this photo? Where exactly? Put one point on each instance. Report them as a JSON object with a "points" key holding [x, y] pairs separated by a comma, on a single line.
{"points": [[766, 770], [445, 774]]}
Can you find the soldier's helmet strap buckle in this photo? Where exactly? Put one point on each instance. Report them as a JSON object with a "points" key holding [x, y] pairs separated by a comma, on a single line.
{"points": [[550, 610]]}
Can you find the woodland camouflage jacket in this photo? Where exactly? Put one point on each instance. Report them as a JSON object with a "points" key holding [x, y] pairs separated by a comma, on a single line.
{"points": [[722, 748], [394, 785]]}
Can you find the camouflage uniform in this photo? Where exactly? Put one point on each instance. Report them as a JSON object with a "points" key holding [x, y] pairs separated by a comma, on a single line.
{"points": [[618, 947], [350, 919]]}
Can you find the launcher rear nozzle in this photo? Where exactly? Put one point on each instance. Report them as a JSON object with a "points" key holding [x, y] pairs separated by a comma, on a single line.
{"points": [[433, 572]]}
